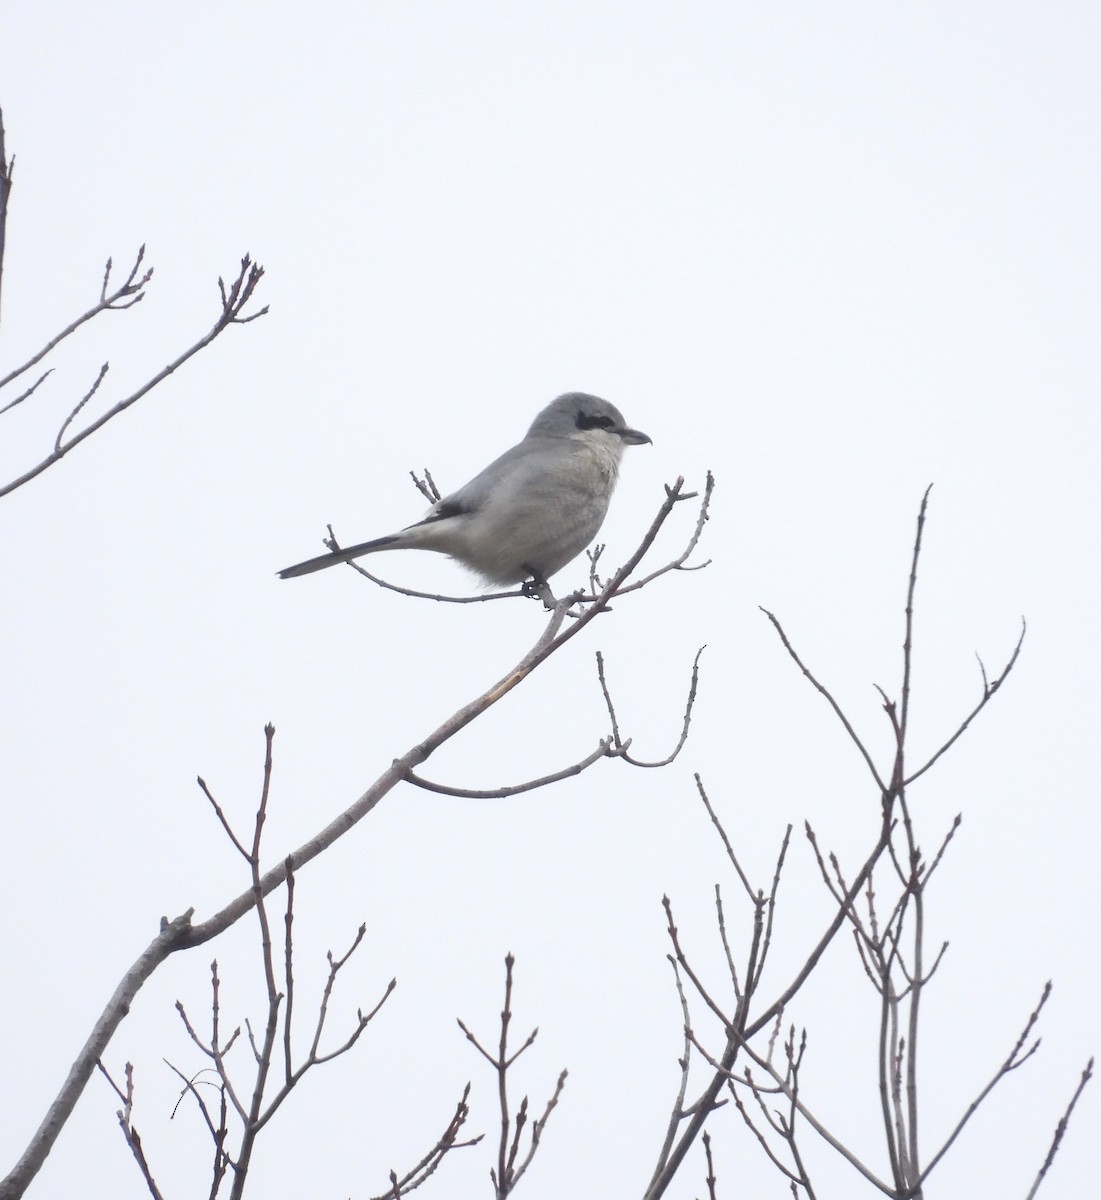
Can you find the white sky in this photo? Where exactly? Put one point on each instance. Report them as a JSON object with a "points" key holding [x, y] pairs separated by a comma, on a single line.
{"points": [[833, 253]]}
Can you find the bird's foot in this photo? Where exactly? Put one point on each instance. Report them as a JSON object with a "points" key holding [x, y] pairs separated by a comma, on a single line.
{"points": [[538, 589]]}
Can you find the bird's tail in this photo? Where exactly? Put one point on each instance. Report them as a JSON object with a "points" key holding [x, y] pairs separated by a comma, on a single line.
{"points": [[340, 556]]}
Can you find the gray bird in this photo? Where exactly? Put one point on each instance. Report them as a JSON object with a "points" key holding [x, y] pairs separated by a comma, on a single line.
{"points": [[530, 511]]}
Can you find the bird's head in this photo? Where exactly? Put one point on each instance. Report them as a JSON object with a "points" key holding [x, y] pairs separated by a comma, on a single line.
{"points": [[577, 414]]}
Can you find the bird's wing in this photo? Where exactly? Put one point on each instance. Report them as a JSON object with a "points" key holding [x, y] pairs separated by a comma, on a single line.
{"points": [[503, 473]]}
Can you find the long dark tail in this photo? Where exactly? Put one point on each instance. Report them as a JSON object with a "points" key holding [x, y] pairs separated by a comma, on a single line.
{"points": [[330, 560]]}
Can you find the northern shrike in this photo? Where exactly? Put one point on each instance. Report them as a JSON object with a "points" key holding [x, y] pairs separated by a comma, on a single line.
{"points": [[530, 511]]}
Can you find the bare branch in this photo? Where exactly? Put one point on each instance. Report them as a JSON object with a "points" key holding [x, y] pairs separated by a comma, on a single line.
{"points": [[825, 692], [223, 820], [836, 889], [892, 953], [288, 974], [7, 166], [770, 908], [315, 1058], [988, 691], [908, 643], [915, 886], [1017, 1057], [603, 750], [216, 1051], [752, 1126], [699, 1112], [680, 562], [594, 556], [697, 983], [956, 822], [684, 1063], [172, 936], [472, 1038], [263, 1054], [217, 1130], [234, 300], [426, 1167], [785, 1087], [133, 1140], [622, 747], [426, 486], [129, 1133], [125, 296], [335, 965], [710, 1177], [731, 966], [1060, 1130], [831, 930], [888, 1097], [79, 405], [537, 1128], [727, 846], [788, 1124], [27, 391], [127, 1096], [508, 1171], [260, 1110]]}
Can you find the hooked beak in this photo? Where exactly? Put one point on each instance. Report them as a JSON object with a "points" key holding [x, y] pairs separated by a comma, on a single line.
{"points": [[633, 437]]}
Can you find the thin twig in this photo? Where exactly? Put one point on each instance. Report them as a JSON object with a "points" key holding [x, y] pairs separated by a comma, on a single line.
{"points": [[684, 1062], [6, 167], [1013, 1060], [727, 845], [728, 953], [510, 1167], [234, 300], [709, 1178], [681, 958], [785, 1088], [988, 691], [1060, 1130], [759, 1096], [680, 562], [222, 818], [622, 746], [426, 486], [427, 1166], [288, 974], [216, 1131], [700, 1111], [835, 924], [126, 295], [825, 692], [770, 908], [908, 643], [27, 392], [79, 405], [603, 750]]}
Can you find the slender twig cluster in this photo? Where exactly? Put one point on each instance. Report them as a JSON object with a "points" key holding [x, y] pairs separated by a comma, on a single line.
{"points": [[113, 297], [884, 906], [244, 1106], [510, 1164]]}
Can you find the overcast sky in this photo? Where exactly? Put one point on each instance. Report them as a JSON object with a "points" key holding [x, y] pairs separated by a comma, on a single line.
{"points": [[833, 253]]}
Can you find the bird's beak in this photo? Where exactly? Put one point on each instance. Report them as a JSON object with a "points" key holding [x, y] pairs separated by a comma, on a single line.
{"points": [[633, 437]]}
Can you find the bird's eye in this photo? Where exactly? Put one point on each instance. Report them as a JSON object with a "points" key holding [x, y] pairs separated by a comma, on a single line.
{"points": [[585, 421]]}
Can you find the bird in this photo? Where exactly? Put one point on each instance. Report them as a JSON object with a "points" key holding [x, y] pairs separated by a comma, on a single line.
{"points": [[531, 511]]}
